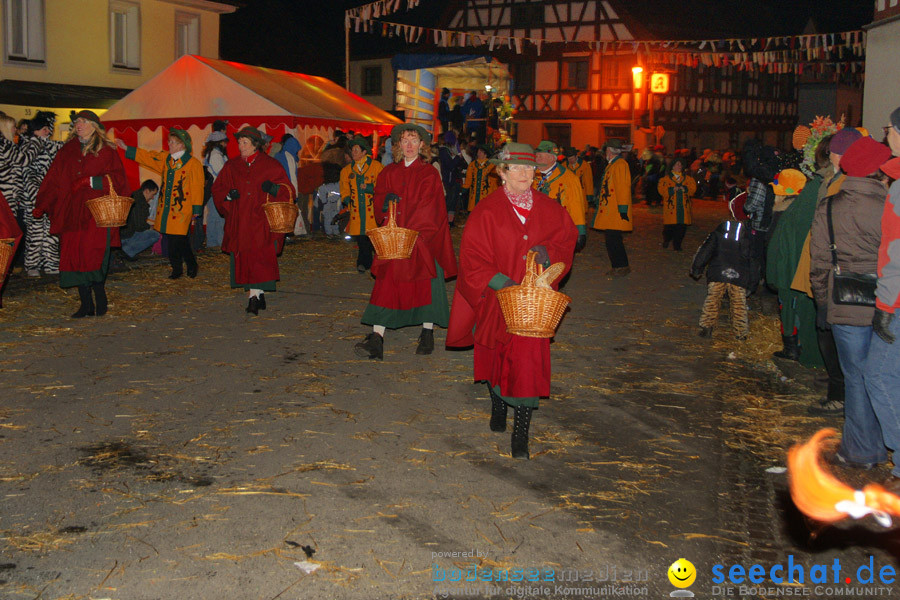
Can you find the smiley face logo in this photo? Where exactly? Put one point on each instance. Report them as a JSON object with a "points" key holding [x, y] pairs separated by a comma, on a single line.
{"points": [[682, 573]]}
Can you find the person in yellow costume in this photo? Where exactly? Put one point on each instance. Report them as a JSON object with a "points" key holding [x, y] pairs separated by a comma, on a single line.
{"points": [[481, 177], [582, 170], [561, 184], [676, 188], [180, 198], [357, 188], [614, 207]]}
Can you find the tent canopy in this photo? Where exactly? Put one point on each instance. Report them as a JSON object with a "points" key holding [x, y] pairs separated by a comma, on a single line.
{"points": [[458, 71], [196, 90]]}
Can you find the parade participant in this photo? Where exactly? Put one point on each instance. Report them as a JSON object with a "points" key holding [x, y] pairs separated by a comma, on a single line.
{"points": [[82, 170], [180, 199], [614, 207], [41, 248], [357, 190], [480, 177], [676, 189], [9, 229], [555, 180], [582, 169], [239, 193], [512, 221], [411, 291]]}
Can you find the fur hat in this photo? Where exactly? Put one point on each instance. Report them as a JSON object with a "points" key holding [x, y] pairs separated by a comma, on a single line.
{"points": [[864, 157], [788, 182], [43, 119], [843, 139]]}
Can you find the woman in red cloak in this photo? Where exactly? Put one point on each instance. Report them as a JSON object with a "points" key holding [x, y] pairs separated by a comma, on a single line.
{"points": [[239, 192], [499, 233], [9, 230], [81, 171]]}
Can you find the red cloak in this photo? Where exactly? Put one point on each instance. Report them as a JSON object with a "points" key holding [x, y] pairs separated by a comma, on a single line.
{"points": [[62, 197], [247, 232], [406, 284], [9, 228], [496, 241]]}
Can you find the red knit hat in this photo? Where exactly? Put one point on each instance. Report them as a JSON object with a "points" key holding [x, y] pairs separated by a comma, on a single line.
{"points": [[864, 157]]}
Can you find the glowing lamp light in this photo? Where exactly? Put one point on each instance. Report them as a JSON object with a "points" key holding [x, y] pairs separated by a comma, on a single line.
{"points": [[637, 74]]}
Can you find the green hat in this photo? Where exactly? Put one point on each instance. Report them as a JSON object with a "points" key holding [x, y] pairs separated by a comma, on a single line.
{"points": [[361, 142], [251, 133], [182, 135], [570, 151], [484, 148], [516, 154], [548, 147], [614, 143], [398, 130]]}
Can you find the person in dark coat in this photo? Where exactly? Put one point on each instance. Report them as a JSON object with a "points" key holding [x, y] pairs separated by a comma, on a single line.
{"points": [[244, 184], [82, 170], [9, 230], [730, 269]]}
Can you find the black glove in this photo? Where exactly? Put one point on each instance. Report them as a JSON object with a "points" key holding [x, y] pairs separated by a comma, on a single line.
{"points": [[388, 198], [270, 188], [543, 257], [232, 195], [624, 216], [881, 325], [580, 244], [822, 319]]}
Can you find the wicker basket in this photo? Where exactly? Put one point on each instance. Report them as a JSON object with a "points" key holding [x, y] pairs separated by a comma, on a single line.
{"points": [[111, 210], [6, 254], [533, 308], [392, 242], [281, 215]]}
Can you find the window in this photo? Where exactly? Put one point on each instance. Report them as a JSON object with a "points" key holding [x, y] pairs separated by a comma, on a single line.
{"points": [[575, 74], [615, 72], [523, 77], [187, 34], [371, 81], [527, 16], [125, 34], [559, 133], [24, 30], [616, 131]]}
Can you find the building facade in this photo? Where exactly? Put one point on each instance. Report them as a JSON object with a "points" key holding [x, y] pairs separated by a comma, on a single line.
{"points": [[63, 54], [882, 87]]}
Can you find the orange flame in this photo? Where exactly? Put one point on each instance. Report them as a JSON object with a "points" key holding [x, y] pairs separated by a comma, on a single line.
{"points": [[816, 492]]}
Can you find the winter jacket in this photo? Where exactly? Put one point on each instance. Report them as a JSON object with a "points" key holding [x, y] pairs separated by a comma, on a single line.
{"points": [[727, 256], [856, 214], [888, 291]]}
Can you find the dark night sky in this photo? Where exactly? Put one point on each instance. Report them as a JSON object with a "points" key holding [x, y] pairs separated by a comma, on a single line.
{"points": [[307, 36]]}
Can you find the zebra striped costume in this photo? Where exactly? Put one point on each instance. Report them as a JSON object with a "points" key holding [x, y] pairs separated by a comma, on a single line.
{"points": [[41, 248]]}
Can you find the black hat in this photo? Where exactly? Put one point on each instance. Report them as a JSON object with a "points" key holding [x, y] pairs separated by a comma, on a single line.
{"points": [[43, 119], [251, 133], [88, 115], [220, 125]]}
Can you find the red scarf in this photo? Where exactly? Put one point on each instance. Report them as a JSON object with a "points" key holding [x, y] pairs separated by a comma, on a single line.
{"points": [[522, 203]]}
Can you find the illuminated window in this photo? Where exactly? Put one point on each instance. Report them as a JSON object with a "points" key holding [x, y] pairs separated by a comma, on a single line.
{"points": [[187, 34], [125, 34], [575, 74], [24, 30], [615, 72]]}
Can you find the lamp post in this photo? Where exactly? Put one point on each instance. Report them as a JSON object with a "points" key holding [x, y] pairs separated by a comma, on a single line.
{"points": [[637, 83]]}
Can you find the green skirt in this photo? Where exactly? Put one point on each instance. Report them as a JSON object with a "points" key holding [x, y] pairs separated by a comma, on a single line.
{"points": [[437, 312]]}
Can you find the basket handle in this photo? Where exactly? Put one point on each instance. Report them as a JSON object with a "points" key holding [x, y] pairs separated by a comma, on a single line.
{"points": [[392, 214], [112, 190], [530, 275], [290, 189]]}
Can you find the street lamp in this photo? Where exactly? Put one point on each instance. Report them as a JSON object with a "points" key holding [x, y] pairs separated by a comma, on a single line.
{"points": [[637, 77]]}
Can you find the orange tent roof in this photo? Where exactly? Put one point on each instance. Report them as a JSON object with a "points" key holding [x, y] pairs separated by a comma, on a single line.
{"points": [[195, 90]]}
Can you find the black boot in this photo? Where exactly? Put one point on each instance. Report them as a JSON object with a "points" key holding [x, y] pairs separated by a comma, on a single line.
{"points": [[262, 302], [100, 295], [426, 342], [372, 347], [498, 411], [87, 303], [521, 423], [253, 305], [791, 348]]}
